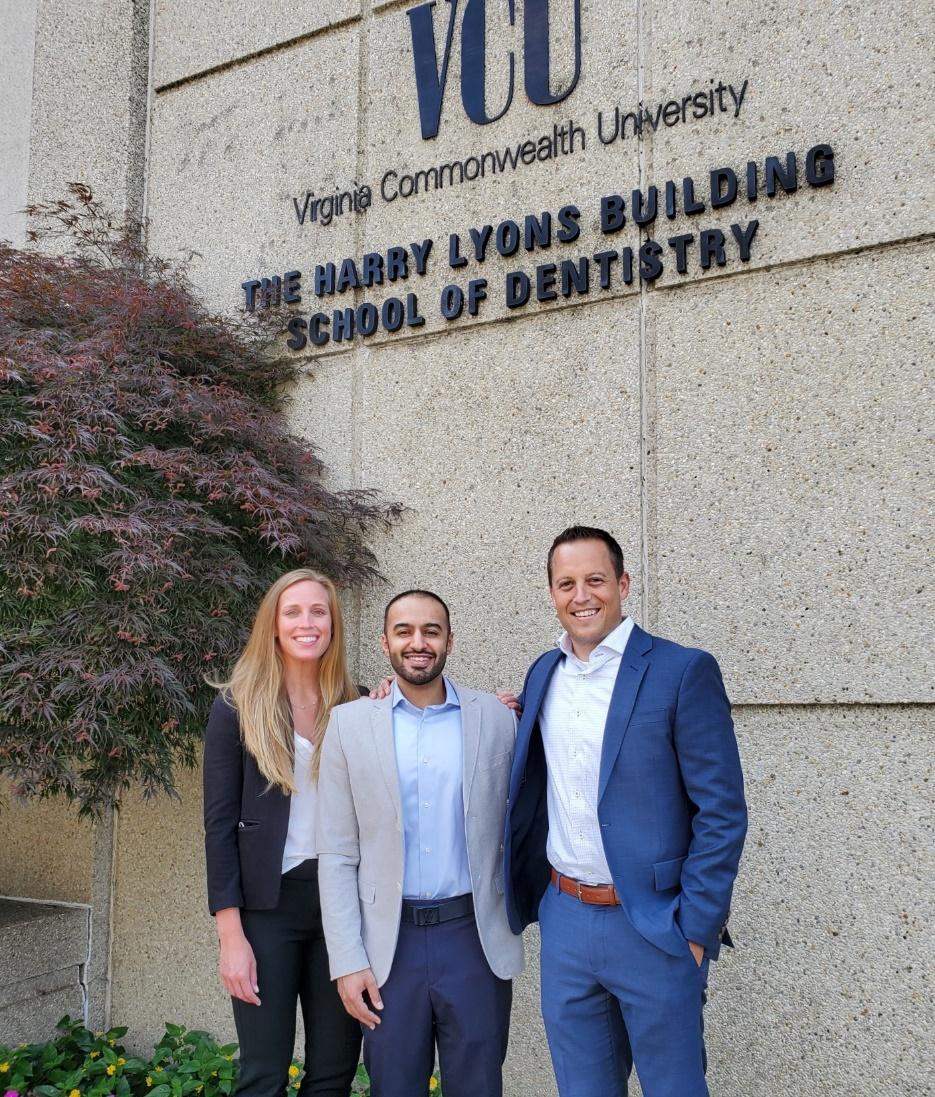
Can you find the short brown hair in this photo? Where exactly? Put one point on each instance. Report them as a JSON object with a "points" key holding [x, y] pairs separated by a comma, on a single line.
{"points": [[587, 533]]}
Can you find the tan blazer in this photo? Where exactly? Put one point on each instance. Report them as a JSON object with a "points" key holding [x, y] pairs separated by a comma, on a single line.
{"points": [[360, 833]]}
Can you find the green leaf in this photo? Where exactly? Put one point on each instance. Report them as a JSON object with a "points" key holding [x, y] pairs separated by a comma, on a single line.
{"points": [[198, 1035]]}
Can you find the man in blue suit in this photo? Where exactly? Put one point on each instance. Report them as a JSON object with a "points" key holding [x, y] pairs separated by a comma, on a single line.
{"points": [[625, 824]]}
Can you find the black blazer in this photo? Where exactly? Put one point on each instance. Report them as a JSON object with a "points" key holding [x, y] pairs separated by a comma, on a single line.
{"points": [[245, 822]]}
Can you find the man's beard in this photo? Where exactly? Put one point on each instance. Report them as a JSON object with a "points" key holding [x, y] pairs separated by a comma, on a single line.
{"points": [[419, 677]]}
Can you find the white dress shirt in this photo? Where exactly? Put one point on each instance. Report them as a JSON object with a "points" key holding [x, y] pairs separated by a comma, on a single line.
{"points": [[572, 720], [300, 837]]}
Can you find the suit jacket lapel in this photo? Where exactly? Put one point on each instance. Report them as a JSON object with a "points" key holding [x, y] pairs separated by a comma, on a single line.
{"points": [[538, 682], [470, 739], [532, 702], [633, 664], [381, 730]]}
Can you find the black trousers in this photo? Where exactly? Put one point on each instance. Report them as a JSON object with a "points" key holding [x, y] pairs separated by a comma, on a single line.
{"points": [[292, 965], [440, 991]]}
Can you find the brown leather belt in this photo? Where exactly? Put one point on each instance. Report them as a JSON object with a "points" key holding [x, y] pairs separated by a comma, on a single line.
{"points": [[602, 895]]}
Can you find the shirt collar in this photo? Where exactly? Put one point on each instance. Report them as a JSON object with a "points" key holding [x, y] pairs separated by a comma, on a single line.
{"points": [[612, 644], [397, 697]]}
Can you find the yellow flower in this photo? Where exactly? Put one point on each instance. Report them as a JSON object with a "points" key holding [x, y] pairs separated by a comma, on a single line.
{"points": [[159, 1070], [75, 1093], [113, 1043], [198, 1089], [433, 1084], [149, 1080], [295, 1085], [4, 1067], [214, 1074], [111, 1069], [93, 1054], [121, 1061], [293, 1071], [229, 1058]]}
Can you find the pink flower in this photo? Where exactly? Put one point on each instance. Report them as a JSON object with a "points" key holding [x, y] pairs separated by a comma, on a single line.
{"points": [[11, 1093]]}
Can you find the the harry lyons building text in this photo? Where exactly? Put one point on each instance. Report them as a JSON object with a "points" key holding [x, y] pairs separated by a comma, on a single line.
{"points": [[644, 208]]}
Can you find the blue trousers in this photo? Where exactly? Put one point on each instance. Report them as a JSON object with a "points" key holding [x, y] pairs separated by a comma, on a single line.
{"points": [[611, 999], [440, 989]]}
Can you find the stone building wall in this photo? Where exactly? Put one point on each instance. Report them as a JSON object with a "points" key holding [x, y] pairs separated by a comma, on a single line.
{"points": [[754, 434]]}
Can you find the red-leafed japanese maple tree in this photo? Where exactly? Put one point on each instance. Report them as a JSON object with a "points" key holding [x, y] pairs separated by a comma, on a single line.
{"points": [[149, 492]]}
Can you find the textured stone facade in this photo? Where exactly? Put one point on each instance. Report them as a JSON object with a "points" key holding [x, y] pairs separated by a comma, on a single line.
{"points": [[753, 432], [44, 955]]}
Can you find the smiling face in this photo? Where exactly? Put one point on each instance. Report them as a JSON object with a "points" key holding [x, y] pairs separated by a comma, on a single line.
{"points": [[417, 638], [587, 593], [303, 622]]}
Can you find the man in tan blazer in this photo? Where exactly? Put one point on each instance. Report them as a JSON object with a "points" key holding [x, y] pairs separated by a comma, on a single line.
{"points": [[411, 806]]}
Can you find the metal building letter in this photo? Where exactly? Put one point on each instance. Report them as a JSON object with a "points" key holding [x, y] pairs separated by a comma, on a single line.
{"points": [[430, 77], [474, 63], [536, 55]]}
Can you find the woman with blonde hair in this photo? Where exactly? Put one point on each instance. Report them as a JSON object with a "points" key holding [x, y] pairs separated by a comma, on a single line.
{"points": [[262, 750]]}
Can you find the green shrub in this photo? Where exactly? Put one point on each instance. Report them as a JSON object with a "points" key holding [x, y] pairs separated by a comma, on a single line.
{"points": [[80, 1063]]}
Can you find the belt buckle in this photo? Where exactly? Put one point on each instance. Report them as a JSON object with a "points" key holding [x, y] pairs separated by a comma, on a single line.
{"points": [[578, 886], [427, 916]]}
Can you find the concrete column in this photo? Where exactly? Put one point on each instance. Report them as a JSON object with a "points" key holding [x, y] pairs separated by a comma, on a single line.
{"points": [[17, 48]]}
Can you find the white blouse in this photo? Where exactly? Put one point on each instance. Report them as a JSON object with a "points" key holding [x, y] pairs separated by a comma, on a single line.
{"points": [[300, 837]]}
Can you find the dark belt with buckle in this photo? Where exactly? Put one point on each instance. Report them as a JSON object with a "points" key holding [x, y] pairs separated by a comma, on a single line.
{"points": [[602, 895], [443, 911]]}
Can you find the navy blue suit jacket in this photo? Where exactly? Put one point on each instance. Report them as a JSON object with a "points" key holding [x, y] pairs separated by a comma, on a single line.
{"points": [[670, 796]]}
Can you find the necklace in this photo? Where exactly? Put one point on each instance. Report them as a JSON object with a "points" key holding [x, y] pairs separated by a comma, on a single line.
{"points": [[304, 708]]}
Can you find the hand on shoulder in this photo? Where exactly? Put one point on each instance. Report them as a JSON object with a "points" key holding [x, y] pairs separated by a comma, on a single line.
{"points": [[508, 697]]}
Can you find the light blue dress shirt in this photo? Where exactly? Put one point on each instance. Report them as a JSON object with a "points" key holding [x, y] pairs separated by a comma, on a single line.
{"points": [[429, 760]]}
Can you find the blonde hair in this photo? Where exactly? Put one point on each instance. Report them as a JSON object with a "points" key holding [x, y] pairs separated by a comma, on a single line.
{"points": [[256, 688]]}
